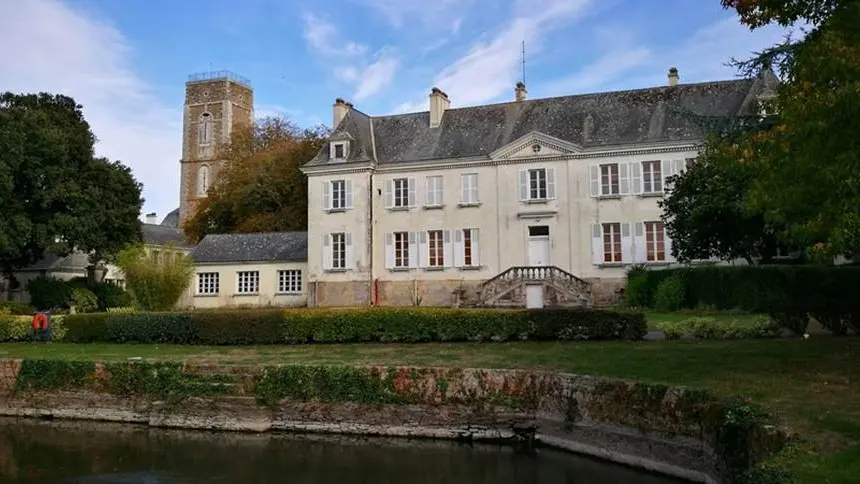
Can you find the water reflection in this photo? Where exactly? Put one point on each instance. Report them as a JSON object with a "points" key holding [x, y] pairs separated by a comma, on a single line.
{"points": [[89, 453]]}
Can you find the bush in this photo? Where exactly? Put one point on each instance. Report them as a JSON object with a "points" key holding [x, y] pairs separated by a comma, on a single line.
{"points": [[17, 308], [47, 293], [20, 328], [156, 282], [710, 328], [637, 288], [84, 300], [669, 295], [111, 296], [235, 327]]}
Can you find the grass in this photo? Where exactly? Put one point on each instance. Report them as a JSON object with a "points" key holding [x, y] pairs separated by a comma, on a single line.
{"points": [[654, 318], [812, 384]]}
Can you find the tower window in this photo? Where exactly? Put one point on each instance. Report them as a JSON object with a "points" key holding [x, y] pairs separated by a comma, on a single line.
{"points": [[204, 129], [203, 180]]}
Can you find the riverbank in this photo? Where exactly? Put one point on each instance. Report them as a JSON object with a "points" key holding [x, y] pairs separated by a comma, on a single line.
{"points": [[813, 386]]}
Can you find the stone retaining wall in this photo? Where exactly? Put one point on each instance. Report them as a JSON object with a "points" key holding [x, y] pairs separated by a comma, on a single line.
{"points": [[668, 430]]}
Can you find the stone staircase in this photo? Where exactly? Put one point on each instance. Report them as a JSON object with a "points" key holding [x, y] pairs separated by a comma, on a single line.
{"points": [[508, 289]]}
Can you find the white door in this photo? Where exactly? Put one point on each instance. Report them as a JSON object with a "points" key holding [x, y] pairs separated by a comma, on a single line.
{"points": [[534, 296], [538, 251]]}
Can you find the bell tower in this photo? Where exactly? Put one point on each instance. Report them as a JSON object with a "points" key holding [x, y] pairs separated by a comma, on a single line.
{"points": [[216, 103]]}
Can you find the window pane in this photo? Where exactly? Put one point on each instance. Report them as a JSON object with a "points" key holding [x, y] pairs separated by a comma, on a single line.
{"points": [[467, 247]]}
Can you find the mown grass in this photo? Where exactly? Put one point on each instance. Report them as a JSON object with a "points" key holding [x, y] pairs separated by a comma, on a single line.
{"points": [[812, 384]]}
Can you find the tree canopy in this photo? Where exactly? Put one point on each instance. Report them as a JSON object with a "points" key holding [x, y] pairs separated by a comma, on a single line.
{"points": [[55, 195], [801, 169], [261, 187]]}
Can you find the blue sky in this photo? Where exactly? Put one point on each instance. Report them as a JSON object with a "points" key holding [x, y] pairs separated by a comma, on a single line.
{"points": [[127, 61]]}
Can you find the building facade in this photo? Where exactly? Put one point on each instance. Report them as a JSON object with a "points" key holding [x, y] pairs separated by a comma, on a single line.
{"points": [[216, 104], [531, 202]]}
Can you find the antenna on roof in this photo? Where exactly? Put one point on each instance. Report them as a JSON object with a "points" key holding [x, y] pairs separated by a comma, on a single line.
{"points": [[524, 62]]}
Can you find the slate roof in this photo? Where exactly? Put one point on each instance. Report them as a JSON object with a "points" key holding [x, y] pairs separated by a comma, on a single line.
{"points": [[257, 247], [76, 261], [652, 115], [163, 235], [171, 219]]}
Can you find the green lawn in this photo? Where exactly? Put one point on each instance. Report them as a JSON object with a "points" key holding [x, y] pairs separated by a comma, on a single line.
{"points": [[813, 385], [655, 318]]}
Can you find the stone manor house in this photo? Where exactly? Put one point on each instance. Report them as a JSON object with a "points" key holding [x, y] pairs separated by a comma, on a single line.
{"points": [[532, 202]]}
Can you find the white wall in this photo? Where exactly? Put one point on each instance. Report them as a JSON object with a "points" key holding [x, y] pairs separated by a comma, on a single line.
{"points": [[228, 296]]}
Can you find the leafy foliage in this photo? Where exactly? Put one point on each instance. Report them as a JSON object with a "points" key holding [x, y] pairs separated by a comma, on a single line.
{"points": [[53, 374], [669, 294], [156, 282], [234, 327], [111, 296], [55, 196], [48, 293], [165, 381], [709, 328], [261, 187], [84, 300], [17, 308], [331, 384]]}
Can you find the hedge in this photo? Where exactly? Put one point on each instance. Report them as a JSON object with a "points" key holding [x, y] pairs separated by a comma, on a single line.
{"points": [[790, 294], [244, 327]]}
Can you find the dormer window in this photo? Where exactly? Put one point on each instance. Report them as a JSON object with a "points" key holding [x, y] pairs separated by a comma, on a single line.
{"points": [[339, 151]]}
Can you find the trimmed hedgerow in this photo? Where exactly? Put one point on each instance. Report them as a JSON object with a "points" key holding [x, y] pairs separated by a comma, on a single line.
{"points": [[244, 327]]}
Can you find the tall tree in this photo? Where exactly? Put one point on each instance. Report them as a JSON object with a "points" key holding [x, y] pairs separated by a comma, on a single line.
{"points": [[261, 188], [54, 194]]}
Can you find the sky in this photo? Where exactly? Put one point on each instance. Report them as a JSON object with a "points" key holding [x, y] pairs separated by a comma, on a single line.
{"points": [[126, 61]]}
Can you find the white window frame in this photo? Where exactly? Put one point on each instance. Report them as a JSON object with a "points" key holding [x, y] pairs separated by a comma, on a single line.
{"points": [[338, 251], [652, 246], [437, 249], [613, 229], [434, 191], [333, 151], [290, 281], [469, 189], [614, 180], [247, 282], [538, 184], [208, 283], [652, 177], [400, 187], [401, 250], [338, 194]]}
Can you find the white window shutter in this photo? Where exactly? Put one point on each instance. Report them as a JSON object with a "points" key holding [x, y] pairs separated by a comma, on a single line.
{"points": [[413, 249], [677, 167], [524, 185], [430, 196], [349, 252], [458, 248], [389, 193], [666, 171], [326, 252], [636, 178], [389, 250], [623, 179], [447, 249], [594, 181], [423, 252], [667, 246], [550, 183], [476, 248], [476, 198], [326, 190], [464, 189], [596, 245], [626, 244], [348, 193], [639, 247], [440, 190], [412, 197]]}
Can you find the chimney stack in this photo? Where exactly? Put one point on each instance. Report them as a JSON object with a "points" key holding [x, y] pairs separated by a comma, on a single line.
{"points": [[341, 108], [521, 91], [152, 218], [439, 102], [673, 76]]}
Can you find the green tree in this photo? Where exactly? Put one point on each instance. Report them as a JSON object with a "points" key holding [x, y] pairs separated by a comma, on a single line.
{"points": [[804, 168], [262, 187], [54, 194], [156, 279]]}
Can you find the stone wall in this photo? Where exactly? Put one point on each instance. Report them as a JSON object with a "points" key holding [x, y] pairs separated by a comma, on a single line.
{"points": [[339, 294], [668, 430]]}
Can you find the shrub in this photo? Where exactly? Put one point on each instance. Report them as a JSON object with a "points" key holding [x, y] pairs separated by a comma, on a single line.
{"points": [[239, 327], [156, 281], [17, 308], [673, 329], [710, 328], [84, 300], [20, 328], [48, 293], [669, 295], [111, 296], [637, 288]]}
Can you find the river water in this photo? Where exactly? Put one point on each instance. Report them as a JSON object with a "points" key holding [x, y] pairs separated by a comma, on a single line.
{"points": [[33, 451]]}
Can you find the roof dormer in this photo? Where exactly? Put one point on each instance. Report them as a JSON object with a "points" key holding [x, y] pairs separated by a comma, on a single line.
{"points": [[339, 146]]}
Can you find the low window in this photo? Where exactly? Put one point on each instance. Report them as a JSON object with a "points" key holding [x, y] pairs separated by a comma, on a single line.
{"points": [[248, 282], [207, 283], [612, 242], [401, 249], [338, 251], [290, 281], [436, 249], [655, 241]]}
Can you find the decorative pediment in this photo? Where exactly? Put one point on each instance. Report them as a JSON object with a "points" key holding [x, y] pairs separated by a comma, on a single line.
{"points": [[534, 145]]}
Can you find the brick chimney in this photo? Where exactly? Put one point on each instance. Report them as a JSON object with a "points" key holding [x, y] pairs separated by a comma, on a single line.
{"points": [[673, 76], [439, 102], [341, 108], [152, 218], [521, 91]]}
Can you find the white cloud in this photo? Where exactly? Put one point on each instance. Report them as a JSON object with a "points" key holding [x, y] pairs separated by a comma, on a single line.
{"points": [[51, 47], [375, 77], [323, 37], [409, 13], [492, 67]]}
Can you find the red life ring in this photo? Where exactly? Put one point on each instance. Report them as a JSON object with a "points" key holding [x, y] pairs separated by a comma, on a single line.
{"points": [[40, 322]]}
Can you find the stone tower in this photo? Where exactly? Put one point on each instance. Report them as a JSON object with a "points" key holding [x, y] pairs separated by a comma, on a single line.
{"points": [[216, 103]]}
